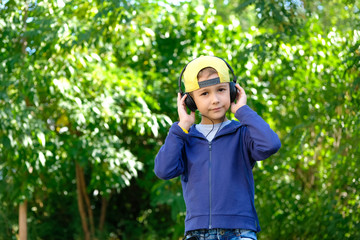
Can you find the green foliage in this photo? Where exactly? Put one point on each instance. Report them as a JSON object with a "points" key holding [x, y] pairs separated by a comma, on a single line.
{"points": [[94, 83]]}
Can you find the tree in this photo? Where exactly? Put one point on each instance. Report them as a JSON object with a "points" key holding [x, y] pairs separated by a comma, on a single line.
{"points": [[66, 101], [301, 74]]}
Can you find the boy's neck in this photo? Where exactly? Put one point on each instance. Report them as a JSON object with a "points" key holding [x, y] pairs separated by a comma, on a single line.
{"points": [[206, 120]]}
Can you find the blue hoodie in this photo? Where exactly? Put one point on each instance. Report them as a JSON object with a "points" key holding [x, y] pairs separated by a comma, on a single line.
{"points": [[216, 176]]}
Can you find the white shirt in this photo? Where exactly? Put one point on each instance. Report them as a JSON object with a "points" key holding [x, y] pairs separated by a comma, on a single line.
{"points": [[210, 130]]}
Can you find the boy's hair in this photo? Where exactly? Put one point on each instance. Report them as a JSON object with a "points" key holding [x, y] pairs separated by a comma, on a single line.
{"points": [[206, 72]]}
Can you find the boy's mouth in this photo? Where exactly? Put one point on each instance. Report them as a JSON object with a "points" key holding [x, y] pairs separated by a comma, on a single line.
{"points": [[216, 109]]}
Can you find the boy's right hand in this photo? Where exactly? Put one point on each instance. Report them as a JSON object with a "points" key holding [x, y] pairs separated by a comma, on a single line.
{"points": [[186, 120]]}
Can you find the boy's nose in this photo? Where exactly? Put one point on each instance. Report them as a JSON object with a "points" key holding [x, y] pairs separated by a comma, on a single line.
{"points": [[215, 98]]}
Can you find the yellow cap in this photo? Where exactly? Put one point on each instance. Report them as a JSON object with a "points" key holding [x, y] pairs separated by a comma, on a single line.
{"points": [[196, 65]]}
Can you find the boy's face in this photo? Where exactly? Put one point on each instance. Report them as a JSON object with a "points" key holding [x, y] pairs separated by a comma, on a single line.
{"points": [[212, 101]]}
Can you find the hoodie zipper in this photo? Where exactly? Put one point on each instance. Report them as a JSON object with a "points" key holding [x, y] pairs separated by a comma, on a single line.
{"points": [[210, 186], [210, 149]]}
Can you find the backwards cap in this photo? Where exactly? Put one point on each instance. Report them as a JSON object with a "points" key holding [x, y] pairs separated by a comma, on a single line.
{"points": [[195, 66]]}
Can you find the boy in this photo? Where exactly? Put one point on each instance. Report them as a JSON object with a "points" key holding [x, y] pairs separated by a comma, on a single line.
{"points": [[215, 158]]}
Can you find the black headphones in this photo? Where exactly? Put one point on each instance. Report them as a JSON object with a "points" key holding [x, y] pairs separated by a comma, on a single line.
{"points": [[189, 101]]}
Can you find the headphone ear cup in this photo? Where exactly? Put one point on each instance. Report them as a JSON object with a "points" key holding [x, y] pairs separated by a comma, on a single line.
{"points": [[233, 92], [190, 103]]}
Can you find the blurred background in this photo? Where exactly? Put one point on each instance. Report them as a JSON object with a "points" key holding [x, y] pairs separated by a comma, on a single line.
{"points": [[88, 92]]}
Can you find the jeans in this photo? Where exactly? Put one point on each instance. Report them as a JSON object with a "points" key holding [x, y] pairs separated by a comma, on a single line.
{"points": [[221, 234]]}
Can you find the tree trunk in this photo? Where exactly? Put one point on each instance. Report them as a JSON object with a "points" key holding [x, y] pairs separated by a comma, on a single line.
{"points": [[22, 221], [23, 206], [81, 203], [104, 203], [86, 198]]}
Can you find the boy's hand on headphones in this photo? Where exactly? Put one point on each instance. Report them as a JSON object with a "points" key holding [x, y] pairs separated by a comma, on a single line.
{"points": [[240, 99], [186, 120]]}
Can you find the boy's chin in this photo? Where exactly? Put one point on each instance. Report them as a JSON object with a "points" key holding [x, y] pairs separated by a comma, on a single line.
{"points": [[212, 118]]}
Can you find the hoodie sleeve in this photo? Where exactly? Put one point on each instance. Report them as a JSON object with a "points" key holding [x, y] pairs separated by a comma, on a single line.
{"points": [[169, 161], [261, 140]]}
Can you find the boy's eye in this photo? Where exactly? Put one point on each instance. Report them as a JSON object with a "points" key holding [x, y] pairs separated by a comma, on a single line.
{"points": [[203, 94], [222, 89]]}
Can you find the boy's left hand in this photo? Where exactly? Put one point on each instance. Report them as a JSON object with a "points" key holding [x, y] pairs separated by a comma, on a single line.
{"points": [[240, 99]]}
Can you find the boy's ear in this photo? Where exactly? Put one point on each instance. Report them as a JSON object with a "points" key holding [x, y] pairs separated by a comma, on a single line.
{"points": [[190, 103]]}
